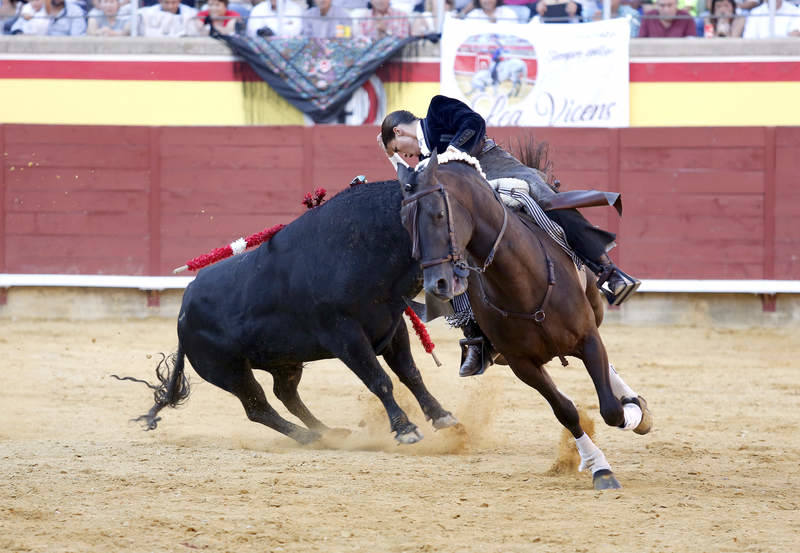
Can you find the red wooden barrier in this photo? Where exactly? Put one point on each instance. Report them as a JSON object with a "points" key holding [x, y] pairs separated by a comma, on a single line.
{"points": [[699, 203]]}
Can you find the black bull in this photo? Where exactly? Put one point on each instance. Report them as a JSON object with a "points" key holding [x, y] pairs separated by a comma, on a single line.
{"points": [[330, 284]]}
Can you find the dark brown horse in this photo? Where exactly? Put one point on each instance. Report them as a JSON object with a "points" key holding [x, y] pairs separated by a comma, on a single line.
{"points": [[526, 293]]}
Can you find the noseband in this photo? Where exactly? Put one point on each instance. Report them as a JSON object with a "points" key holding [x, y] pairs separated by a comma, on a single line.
{"points": [[409, 215]]}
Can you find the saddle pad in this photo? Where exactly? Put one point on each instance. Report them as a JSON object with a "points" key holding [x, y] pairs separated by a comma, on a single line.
{"points": [[515, 195]]}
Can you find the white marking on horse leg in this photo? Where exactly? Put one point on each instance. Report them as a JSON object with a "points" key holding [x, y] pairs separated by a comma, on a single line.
{"points": [[632, 412], [633, 416], [618, 386], [591, 455]]}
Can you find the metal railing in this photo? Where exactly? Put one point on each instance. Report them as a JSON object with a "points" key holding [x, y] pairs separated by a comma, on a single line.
{"points": [[439, 14]]}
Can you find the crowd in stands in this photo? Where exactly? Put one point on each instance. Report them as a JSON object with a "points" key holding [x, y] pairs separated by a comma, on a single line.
{"points": [[379, 18]]}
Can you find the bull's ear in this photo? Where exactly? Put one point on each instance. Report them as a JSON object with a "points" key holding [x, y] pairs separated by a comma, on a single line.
{"points": [[404, 175]]}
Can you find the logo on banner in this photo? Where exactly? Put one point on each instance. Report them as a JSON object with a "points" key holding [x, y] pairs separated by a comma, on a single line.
{"points": [[491, 68], [539, 75]]}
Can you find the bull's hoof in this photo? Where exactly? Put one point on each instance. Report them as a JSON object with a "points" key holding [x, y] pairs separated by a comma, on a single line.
{"points": [[446, 421], [305, 437], [604, 479], [337, 433], [647, 418], [409, 437], [148, 422]]}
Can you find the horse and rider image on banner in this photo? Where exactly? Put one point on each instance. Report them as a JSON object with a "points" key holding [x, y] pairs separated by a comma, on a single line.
{"points": [[539, 75], [503, 63]]}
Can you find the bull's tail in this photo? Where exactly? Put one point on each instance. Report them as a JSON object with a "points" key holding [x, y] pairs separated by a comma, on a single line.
{"points": [[172, 390]]}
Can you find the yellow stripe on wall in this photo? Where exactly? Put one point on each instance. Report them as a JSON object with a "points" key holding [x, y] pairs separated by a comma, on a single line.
{"points": [[413, 97], [97, 102], [101, 102], [714, 104]]}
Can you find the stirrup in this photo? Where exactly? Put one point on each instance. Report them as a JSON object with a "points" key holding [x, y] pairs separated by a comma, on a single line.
{"points": [[631, 284], [485, 354]]}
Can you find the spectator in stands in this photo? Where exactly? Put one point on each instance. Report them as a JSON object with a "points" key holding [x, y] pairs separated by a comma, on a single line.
{"points": [[109, 19], [559, 11], [492, 11], [589, 8], [35, 18], [383, 20], [170, 18], [723, 22], [9, 12], [689, 6], [463, 7], [223, 19], [667, 22], [619, 9], [523, 8], [327, 21], [264, 19], [787, 21], [351, 4], [148, 3], [63, 19]]}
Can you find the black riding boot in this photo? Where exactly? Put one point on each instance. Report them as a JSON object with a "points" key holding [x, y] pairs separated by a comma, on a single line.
{"points": [[591, 244], [616, 284], [476, 351]]}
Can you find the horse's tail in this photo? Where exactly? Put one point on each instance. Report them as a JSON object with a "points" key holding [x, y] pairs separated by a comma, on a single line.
{"points": [[172, 390], [536, 155]]}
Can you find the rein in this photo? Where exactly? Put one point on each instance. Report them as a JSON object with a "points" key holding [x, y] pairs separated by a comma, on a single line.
{"points": [[460, 263], [456, 259], [537, 316]]}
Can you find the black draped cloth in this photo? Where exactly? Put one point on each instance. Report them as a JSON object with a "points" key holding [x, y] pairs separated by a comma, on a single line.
{"points": [[317, 76]]}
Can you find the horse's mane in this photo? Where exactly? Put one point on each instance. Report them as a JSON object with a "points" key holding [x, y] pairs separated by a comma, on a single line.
{"points": [[535, 155]]}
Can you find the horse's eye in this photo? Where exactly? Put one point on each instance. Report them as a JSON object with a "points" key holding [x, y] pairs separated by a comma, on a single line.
{"points": [[440, 215]]}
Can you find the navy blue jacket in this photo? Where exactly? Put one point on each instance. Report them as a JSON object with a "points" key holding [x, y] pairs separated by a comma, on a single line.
{"points": [[451, 122]]}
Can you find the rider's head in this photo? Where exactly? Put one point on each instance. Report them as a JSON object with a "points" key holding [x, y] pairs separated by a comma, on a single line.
{"points": [[399, 134]]}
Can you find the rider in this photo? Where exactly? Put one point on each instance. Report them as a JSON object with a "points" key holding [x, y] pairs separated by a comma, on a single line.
{"points": [[451, 124], [497, 57]]}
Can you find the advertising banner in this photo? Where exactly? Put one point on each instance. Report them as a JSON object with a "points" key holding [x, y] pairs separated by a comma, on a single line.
{"points": [[536, 74]]}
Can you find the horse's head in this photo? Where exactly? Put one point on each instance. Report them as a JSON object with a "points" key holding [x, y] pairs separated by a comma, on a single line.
{"points": [[429, 216]]}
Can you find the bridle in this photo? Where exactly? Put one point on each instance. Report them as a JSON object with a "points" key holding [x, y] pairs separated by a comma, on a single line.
{"points": [[409, 214], [410, 218]]}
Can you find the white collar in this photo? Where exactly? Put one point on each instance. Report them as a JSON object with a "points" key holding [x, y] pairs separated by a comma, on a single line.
{"points": [[423, 146]]}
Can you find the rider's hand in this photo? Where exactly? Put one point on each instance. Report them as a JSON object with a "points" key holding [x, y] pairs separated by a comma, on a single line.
{"points": [[380, 143]]}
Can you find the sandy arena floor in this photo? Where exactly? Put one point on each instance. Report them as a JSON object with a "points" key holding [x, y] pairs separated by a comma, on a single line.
{"points": [[718, 473]]}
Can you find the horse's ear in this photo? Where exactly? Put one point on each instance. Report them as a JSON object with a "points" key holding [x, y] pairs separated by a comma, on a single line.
{"points": [[430, 168], [405, 176]]}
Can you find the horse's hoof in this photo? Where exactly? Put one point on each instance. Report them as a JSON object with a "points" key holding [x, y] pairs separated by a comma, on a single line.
{"points": [[410, 437], [445, 422], [604, 479], [647, 418]]}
